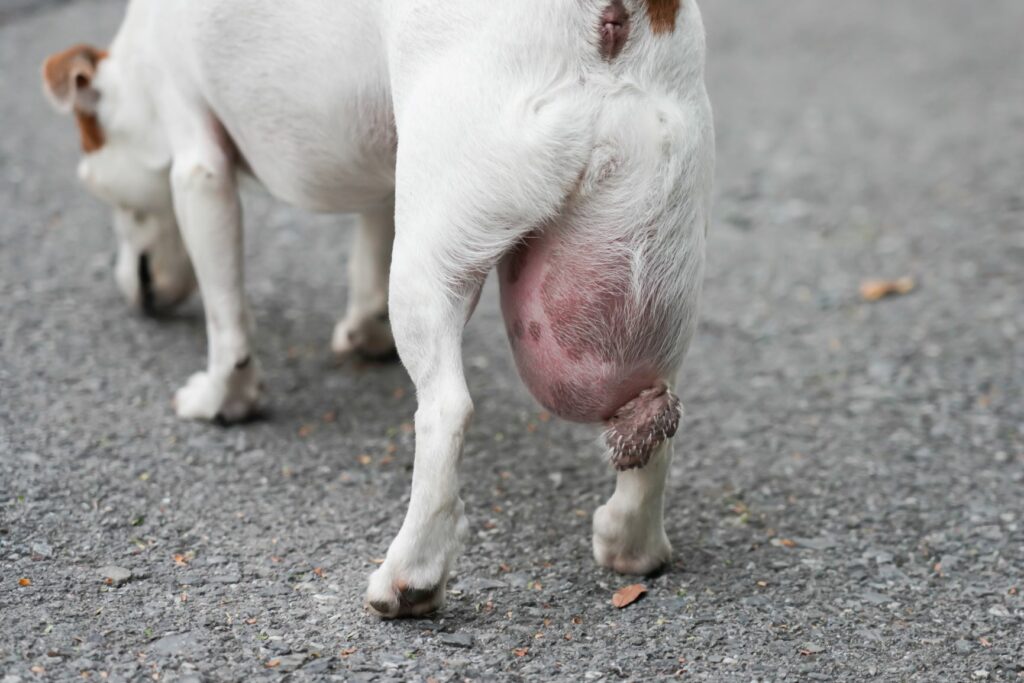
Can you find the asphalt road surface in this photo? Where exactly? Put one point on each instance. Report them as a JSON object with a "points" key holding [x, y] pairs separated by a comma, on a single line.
{"points": [[847, 501]]}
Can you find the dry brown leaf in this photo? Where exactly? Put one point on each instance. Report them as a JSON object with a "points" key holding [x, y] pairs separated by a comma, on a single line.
{"points": [[628, 595], [180, 560], [788, 543], [24, 582], [273, 663], [319, 571], [520, 651], [873, 290]]}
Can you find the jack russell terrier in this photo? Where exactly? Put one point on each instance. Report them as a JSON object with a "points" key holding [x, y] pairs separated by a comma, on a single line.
{"points": [[569, 143]]}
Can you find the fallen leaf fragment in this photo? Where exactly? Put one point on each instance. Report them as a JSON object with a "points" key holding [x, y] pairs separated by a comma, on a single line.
{"points": [[347, 652], [520, 651], [273, 663], [873, 290], [180, 560], [628, 595], [24, 582], [37, 669], [319, 571], [787, 542]]}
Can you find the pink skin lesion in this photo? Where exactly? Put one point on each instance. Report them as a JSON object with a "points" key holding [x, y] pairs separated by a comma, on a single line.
{"points": [[571, 330]]}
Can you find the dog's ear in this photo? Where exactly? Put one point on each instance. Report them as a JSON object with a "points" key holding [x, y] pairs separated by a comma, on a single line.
{"points": [[67, 78]]}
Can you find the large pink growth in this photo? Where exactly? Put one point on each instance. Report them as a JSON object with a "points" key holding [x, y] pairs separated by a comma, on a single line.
{"points": [[581, 346]]}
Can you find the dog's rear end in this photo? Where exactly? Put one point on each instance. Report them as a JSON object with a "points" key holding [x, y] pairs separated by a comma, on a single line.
{"points": [[600, 303], [574, 146]]}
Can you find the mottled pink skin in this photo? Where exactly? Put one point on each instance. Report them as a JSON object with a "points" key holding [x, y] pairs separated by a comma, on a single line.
{"points": [[566, 321]]}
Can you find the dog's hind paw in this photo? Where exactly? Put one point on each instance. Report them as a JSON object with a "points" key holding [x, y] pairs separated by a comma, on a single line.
{"points": [[232, 398], [368, 336]]}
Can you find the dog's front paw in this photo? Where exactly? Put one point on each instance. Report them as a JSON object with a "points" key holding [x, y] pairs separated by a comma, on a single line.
{"points": [[367, 336], [230, 398], [629, 543]]}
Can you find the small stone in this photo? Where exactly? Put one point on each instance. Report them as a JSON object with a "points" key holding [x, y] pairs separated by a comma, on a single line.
{"points": [[963, 647], [874, 598], [291, 662], [979, 674], [999, 611], [115, 576], [191, 578], [823, 543], [175, 644], [456, 639], [232, 577]]}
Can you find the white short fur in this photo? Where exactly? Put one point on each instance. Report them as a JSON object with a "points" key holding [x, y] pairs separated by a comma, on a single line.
{"points": [[455, 128]]}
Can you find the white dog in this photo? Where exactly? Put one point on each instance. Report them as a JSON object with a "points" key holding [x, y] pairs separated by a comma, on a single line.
{"points": [[567, 142]]}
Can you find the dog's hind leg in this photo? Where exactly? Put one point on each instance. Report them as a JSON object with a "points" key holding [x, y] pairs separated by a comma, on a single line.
{"points": [[366, 328], [629, 531], [461, 202]]}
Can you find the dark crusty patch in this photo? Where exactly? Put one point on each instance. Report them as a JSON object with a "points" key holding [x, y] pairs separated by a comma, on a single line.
{"points": [[636, 429]]}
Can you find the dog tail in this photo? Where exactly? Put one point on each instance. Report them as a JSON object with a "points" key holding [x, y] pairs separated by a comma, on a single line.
{"points": [[636, 428]]}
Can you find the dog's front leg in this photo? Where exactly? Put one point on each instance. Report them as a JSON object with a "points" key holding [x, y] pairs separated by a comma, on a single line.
{"points": [[207, 205], [366, 327]]}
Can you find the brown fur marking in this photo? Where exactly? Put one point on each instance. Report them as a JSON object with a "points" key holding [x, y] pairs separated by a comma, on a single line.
{"points": [[90, 132], [65, 73], [662, 14]]}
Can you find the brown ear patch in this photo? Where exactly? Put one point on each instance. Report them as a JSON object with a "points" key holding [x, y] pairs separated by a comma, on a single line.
{"points": [[89, 131], [662, 14], [67, 77]]}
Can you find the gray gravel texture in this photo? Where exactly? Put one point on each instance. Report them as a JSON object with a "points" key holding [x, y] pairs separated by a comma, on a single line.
{"points": [[847, 501]]}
